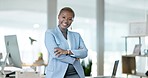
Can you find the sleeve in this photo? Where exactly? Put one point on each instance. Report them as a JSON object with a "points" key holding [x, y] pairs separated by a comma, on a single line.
{"points": [[50, 43], [81, 51]]}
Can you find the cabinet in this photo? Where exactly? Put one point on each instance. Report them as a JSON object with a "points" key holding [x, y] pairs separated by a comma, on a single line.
{"points": [[129, 61], [129, 65]]}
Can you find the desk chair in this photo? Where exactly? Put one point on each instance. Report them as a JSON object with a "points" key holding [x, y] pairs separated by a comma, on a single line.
{"points": [[113, 73]]}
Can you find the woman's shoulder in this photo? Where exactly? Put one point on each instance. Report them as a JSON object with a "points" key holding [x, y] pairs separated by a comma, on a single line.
{"points": [[50, 30], [73, 32]]}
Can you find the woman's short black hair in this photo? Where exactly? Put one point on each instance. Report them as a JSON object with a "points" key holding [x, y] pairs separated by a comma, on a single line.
{"points": [[67, 9]]}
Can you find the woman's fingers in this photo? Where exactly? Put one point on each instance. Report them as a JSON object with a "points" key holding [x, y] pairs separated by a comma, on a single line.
{"points": [[59, 51]]}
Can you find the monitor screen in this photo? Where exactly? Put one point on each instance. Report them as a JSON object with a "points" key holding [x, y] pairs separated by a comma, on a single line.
{"points": [[13, 50], [115, 68]]}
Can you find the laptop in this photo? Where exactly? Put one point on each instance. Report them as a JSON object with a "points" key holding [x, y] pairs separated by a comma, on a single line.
{"points": [[113, 73]]}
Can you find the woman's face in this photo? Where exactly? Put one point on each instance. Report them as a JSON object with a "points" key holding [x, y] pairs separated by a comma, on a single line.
{"points": [[65, 19]]}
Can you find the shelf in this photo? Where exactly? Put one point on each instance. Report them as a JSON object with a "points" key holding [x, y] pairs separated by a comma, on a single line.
{"points": [[126, 37], [129, 61], [128, 64], [139, 74], [135, 55], [134, 36]]}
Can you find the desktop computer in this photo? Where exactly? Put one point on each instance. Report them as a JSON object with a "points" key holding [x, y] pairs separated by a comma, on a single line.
{"points": [[13, 55]]}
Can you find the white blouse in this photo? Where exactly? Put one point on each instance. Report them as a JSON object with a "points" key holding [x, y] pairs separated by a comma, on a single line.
{"points": [[68, 41]]}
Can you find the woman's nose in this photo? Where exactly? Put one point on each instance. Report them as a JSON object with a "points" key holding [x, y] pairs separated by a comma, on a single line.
{"points": [[66, 19]]}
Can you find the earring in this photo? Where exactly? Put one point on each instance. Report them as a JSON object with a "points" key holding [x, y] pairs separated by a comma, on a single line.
{"points": [[71, 27]]}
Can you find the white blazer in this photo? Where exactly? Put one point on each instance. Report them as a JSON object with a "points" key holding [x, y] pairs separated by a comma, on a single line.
{"points": [[57, 66]]}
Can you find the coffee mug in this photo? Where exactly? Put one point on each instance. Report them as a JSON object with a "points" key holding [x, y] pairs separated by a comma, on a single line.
{"points": [[145, 51]]}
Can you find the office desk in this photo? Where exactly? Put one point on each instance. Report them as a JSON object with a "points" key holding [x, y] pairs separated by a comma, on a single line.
{"points": [[34, 66], [106, 77], [19, 74], [103, 77], [2, 76]]}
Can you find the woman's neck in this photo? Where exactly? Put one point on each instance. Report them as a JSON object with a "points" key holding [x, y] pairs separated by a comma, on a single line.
{"points": [[63, 30]]}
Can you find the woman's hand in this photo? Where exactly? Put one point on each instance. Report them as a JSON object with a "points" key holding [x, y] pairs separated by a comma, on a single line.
{"points": [[77, 58], [58, 51]]}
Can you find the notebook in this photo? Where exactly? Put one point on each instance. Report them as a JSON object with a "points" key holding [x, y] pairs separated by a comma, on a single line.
{"points": [[113, 72]]}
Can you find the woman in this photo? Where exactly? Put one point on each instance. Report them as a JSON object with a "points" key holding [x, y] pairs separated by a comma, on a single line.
{"points": [[65, 48]]}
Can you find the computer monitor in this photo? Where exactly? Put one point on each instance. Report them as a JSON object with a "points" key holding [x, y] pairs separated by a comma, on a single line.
{"points": [[12, 49], [115, 68]]}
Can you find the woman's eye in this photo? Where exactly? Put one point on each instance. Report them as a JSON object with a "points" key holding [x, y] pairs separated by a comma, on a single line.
{"points": [[70, 19], [63, 17]]}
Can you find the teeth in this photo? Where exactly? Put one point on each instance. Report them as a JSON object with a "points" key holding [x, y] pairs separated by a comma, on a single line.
{"points": [[64, 24]]}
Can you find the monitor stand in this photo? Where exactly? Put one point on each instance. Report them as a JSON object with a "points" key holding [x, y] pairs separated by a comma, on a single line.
{"points": [[3, 64]]}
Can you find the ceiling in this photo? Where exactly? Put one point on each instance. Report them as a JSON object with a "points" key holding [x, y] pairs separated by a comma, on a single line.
{"points": [[22, 13], [26, 13]]}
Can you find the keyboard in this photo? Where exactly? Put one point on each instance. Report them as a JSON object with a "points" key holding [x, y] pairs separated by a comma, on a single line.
{"points": [[10, 74]]}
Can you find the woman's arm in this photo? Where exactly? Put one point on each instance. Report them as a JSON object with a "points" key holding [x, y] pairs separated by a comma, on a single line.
{"points": [[51, 44], [81, 51]]}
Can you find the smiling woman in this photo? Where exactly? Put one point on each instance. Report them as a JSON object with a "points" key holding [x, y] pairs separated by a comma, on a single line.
{"points": [[22, 18], [65, 47]]}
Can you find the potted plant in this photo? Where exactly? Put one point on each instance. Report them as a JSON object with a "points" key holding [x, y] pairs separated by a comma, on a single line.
{"points": [[87, 67]]}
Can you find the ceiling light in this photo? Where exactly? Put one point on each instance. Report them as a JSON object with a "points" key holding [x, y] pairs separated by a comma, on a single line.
{"points": [[36, 26]]}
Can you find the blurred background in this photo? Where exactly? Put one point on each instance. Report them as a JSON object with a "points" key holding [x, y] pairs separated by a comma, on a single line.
{"points": [[28, 18]]}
